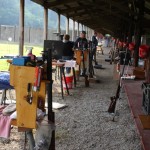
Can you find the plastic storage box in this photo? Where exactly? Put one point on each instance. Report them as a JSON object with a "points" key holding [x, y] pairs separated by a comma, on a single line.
{"points": [[21, 61]]}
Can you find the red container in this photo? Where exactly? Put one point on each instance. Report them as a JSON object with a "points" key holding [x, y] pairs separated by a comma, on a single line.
{"points": [[69, 81], [124, 44], [120, 43], [131, 46], [144, 51]]}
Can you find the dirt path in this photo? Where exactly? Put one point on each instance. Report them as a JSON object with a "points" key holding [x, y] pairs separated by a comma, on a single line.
{"points": [[85, 123]]}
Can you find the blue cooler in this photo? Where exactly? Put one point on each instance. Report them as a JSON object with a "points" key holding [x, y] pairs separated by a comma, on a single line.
{"points": [[21, 61]]}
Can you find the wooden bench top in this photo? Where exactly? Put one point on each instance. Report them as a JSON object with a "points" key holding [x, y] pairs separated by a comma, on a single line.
{"points": [[145, 121]]}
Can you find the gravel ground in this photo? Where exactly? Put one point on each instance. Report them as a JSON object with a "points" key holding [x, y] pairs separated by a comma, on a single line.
{"points": [[85, 123]]}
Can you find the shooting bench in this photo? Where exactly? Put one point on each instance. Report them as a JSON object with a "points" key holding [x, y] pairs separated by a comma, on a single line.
{"points": [[61, 73], [60, 66], [82, 59], [26, 121], [20, 76], [134, 94]]}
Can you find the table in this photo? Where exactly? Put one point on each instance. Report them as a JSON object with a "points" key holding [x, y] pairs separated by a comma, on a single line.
{"points": [[134, 93], [61, 65]]}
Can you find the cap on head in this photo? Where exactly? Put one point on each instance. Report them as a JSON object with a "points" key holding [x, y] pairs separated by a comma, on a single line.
{"points": [[83, 32], [95, 32]]}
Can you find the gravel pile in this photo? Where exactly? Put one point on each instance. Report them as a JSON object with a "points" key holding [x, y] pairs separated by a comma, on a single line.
{"points": [[85, 123]]}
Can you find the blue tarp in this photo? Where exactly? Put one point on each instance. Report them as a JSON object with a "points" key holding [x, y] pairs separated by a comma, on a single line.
{"points": [[5, 81]]}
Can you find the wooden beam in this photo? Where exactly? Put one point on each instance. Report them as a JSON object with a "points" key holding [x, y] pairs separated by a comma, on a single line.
{"points": [[72, 9], [53, 4], [94, 10], [21, 27], [40, 2], [147, 10], [77, 28], [45, 23], [120, 7], [67, 25], [95, 20], [58, 25], [73, 31], [74, 14]]}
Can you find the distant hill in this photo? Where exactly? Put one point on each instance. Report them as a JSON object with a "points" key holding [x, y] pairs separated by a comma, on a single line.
{"points": [[34, 14]]}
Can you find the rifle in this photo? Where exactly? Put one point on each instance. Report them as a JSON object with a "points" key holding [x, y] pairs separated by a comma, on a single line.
{"points": [[114, 99], [84, 69]]}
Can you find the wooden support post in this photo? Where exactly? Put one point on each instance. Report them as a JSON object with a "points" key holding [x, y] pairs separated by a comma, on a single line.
{"points": [[67, 25], [147, 70], [138, 31], [73, 31], [137, 44], [45, 23], [87, 33], [82, 27], [58, 27], [21, 27], [125, 33], [78, 29], [130, 33], [51, 114]]}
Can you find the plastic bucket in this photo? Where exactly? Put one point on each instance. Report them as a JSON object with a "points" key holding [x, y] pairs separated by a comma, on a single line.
{"points": [[143, 51], [131, 46], [69, 80]]}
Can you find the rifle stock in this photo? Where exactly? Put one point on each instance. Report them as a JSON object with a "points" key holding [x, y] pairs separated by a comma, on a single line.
{"points": [[113, 99]]}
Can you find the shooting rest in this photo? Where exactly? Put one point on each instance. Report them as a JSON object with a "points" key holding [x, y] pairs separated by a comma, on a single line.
{"points": [[79, 59], [20, 76], [78, 56]]}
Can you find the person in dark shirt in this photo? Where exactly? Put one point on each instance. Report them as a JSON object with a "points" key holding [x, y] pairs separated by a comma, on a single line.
{"points": [[94, 46], [81, 43], [67, 50]]}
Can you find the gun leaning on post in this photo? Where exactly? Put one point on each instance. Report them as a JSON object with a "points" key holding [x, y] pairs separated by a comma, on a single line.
{"points": [[84, 69], [114, 99]]}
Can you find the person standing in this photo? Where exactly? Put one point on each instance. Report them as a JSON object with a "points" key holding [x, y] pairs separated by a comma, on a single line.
{"points": [[82, 44], [67, 50], [94, 46]]}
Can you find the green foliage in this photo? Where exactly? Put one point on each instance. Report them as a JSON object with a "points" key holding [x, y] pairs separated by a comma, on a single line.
{"points": [[34, 14]]}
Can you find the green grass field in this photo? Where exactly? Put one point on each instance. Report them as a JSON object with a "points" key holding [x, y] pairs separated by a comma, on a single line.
{"points": [[13, 49]]}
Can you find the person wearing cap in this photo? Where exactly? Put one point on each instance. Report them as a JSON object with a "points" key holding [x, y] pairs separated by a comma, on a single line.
{"points": [[94, 46], [67, 50], [81, 44]]}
